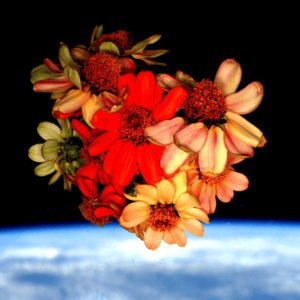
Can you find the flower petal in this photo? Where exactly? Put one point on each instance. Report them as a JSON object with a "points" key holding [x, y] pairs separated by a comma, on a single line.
{"points": [[168, 238], [244, 130], [165, 191], [168, 82], [35, 153], [179, 236], [170, 104], [125, 164], [180, 184], [127, 65], [246, 100], [144, 87], [80, 54], [185, 201], [148, 193], [191, 225], [103, 177], [89, 108], [208, 200], [111, 155], [228, 76], [87, 187], [163, 132], [235, 146], [148, 164], [52, 67], [49, 131], [152, 238], [224, 193], [173, 158], [81, 130], [135, 210], [103, 142], [58, 84], [236, 181], [197, 188], [106, 121], [212, 158], [45, 168], [158, 96], [72, 101], [101, 212], [194, 213], [231, 160], [191, 138], [133, 223], [127, 81]]}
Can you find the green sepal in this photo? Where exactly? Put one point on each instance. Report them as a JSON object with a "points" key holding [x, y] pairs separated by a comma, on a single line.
{"points": [[110, 48], [99, 31], [49, 149], [73, 76], [40, 73], [93, 34], [55, 177], [71, 169], [45, 168], [35, 153], [65, 57]]}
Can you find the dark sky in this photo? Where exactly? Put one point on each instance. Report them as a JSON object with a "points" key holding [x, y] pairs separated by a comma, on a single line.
{"points": [[199, 39]]}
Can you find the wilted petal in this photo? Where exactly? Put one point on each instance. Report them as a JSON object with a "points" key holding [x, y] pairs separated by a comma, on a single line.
{"points": [[244, 130], [110, 102], [53, 85], [163, 132], [212, 158], [228, 76], [52, 67], [152, 238], [89, 108], [72, 101], [168, 82], [191, 138], [80, 54], [173, 158], [191, 225]]}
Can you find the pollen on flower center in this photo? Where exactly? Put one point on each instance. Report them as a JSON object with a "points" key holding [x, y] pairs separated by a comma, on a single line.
{"points": [[87, 208], [102, 72], [212, 179], [133, 124], [204, 104], [162, 217], [91, 160], [119, 38]]}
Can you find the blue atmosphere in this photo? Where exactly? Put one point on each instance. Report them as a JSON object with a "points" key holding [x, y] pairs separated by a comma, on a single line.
{"points": [[235, 260]]}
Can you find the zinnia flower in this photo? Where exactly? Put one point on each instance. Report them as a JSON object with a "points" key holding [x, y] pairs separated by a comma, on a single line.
{"points": [[60, 152], [214, 125], [128, 151], [209, 185], [168, 209]]}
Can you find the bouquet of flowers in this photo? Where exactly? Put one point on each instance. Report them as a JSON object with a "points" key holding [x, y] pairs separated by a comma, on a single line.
{"points": [[151, 151]]}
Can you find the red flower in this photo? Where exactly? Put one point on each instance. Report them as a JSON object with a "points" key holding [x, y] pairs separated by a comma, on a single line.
{"points": [[128, 151]]}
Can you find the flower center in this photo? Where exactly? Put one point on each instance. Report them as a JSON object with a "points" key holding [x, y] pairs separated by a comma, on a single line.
{"points": [[91, 160], [87, 208], [119, 38], [204, 104], [133, 124], [72, 149], [212, 179], [102, 72], [162, 217]]}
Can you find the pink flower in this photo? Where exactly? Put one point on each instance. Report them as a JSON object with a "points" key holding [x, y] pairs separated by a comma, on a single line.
{"points": [[214, 126], [209, 185]]}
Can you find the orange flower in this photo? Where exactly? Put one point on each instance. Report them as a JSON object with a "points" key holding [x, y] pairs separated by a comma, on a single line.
{"points": [[165, 211]]}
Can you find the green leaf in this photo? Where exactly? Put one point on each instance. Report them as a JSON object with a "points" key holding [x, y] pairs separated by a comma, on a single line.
{"points": [[151, 62], [110, 48], [65, 57], [40, 73], [35, 153], [45, 168], [49, 149], [55, 177], [99, 32], [139, 46], [93, 34], [153, 39], [73, 76]]}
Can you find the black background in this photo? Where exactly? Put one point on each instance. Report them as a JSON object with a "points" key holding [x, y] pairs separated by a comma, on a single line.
{"points": [[199, 38]]}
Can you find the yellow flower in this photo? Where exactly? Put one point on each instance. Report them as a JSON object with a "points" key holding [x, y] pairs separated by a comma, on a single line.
{"points": [[166, 210]]}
